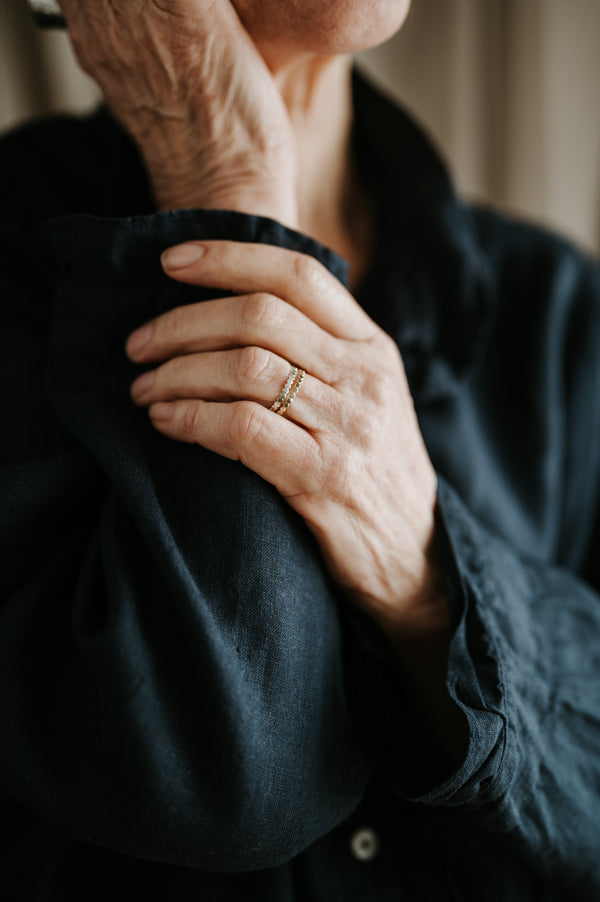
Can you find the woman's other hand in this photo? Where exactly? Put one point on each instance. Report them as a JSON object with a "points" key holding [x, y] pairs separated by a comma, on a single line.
{"points": [[347, 454], [188, 84]]}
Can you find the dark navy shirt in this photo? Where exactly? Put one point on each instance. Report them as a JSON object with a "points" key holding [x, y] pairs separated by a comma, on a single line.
{"points": [[187, 707]]}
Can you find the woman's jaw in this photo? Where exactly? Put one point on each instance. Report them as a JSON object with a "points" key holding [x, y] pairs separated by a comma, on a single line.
{"points": [[283, 29]]}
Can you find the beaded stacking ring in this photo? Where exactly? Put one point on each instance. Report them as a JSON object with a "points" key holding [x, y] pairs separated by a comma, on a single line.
{"points": [[289, 391], [285, 390]]}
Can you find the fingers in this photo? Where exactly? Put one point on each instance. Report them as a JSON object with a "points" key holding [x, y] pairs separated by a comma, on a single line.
{"points": [[270, 445], [258, 320], [298, 279], [250, 373], [224, 362]]}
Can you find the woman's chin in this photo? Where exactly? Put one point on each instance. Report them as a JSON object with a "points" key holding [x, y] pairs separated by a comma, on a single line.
{"points": [[322, 26]]}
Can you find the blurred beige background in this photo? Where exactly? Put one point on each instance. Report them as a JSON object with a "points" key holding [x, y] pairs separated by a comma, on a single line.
{"points": [[507, 88]]}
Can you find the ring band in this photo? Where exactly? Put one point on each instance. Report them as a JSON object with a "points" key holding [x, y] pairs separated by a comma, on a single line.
{"points": [[285, 390], [292, 392]]}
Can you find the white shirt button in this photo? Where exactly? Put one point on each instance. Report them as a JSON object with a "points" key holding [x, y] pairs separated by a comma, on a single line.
{"points": [[364, 844]]}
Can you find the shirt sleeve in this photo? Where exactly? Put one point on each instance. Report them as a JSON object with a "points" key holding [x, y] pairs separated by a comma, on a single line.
{"points": [[524, 659], [171, 683]]}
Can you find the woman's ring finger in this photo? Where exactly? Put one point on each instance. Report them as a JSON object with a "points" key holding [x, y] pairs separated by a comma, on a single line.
{"points": [[251, 374]]}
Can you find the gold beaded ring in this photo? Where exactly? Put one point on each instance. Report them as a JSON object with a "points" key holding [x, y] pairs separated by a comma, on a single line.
{"points": [[285, 390], [295, 387]]}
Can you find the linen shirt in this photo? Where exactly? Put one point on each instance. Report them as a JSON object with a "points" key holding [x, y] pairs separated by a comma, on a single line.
{"points": [[187, 705]]}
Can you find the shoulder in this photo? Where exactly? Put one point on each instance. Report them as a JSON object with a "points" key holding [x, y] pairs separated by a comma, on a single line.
{"points": [[546, 295], [533, 269], [544, 333]]}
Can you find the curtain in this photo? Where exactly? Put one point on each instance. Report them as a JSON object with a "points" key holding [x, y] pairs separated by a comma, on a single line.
{"points": [[506, 88], [509, 90]]}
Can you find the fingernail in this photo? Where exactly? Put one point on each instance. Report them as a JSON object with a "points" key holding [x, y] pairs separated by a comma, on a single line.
{"points": [[181, 256], [138, 340], [142, 385], [161, 411]]}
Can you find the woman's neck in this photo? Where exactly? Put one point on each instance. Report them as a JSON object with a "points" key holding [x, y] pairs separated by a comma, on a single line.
{"points": [[333, 207]]}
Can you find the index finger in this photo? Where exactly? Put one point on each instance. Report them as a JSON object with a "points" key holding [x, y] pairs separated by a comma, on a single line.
{"points": [[297, 278]]}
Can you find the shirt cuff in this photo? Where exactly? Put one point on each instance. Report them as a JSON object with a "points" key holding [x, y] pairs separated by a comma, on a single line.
{"points": [[110, 281], [108, 248], [473, 680]]}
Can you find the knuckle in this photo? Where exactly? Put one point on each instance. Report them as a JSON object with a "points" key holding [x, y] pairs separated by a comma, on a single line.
{"points": [[253, 364], [173, 328], [309, 273], [376, 380], [169, 329], [170, 376], [247, 422], [366, 431], [375, 390], [364, 391], [189, 419], [383, 349], [380, 368], [260, 310], [385, 344]]}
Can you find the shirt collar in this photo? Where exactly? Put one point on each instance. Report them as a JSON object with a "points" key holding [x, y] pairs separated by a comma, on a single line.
{"points": [[430, 286]]}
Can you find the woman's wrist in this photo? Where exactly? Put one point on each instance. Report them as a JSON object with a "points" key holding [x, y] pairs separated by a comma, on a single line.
{"points": [[181, 194], [180, 182], [418, 643]]}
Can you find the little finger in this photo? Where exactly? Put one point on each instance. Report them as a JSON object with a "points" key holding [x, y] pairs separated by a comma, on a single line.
{"points": [[272, 446]]}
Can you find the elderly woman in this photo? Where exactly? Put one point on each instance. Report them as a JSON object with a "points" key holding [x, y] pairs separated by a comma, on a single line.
{"points": [[299, 559]]}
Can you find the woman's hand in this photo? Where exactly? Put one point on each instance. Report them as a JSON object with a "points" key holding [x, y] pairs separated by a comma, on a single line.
{"points": [[347, 454], [186, 81]]}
